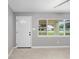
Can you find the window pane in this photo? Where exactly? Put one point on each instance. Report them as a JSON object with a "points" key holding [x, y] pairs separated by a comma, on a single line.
{"points": [[61, 27], [42, 27], [52, 27], [67, 27]]}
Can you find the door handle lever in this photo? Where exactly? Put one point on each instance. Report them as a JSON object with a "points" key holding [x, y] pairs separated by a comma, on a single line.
{"points": [[29, 34]]}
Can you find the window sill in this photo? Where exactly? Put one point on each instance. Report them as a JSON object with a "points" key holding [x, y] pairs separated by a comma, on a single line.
{"points": [[53, 36]]}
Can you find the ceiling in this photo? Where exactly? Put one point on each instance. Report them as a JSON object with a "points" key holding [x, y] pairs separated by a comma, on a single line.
{"points": [[38, 6]]}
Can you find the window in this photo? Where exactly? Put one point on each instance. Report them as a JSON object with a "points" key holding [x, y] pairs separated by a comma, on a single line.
{"points": [[54, 27], [67, 27], [61, 27], [42, 27]]}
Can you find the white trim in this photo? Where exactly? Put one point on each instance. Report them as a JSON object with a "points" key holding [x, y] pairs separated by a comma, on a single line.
{"points": [[11, 52], [50, 46], [53, 36]]}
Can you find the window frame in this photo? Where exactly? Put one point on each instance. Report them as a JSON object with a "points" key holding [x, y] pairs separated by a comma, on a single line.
{"points": [[47, 31]]}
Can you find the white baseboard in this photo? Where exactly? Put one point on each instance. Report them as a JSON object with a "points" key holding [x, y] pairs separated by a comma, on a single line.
{"points": [[50, 46], [11, 52]]}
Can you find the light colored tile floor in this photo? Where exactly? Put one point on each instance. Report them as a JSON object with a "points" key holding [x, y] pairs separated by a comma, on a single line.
{"points": [[40, 53]]}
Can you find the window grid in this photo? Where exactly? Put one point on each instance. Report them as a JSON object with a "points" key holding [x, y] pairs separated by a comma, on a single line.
{"points": [[53, 35]]}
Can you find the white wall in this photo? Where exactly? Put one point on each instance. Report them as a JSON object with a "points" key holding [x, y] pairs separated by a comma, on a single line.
{"points": [[46, 41], [11, 30]]}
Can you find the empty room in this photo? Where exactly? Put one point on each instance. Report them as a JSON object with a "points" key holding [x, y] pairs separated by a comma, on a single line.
{"points": [[38, 29]]}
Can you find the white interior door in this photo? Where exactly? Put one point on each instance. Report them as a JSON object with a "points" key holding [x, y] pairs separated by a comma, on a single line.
{"points": [[23, 31]]}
